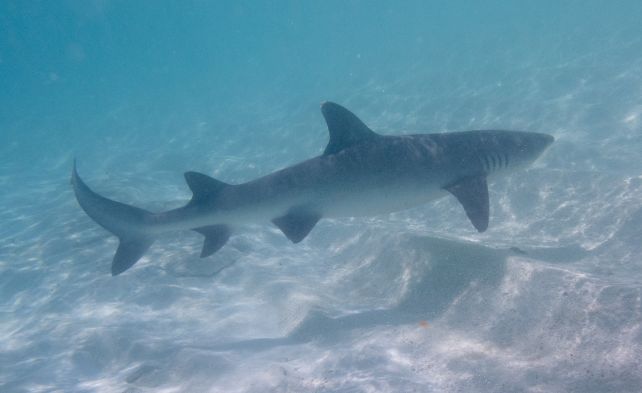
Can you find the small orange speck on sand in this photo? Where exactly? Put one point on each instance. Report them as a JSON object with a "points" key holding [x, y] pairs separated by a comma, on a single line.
{"points": [[423, 324]]}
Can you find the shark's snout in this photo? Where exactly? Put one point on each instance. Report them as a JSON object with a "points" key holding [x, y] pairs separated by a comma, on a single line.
{"points": [[514, 149], [543, 141], [547, 140], [535, 144]]}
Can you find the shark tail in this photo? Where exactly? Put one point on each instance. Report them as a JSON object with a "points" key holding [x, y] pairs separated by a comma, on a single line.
{"points": [[130, 224]]}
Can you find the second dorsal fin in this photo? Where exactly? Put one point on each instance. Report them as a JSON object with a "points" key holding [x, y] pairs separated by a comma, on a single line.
{"points": [[203, 187], [345, 128]]}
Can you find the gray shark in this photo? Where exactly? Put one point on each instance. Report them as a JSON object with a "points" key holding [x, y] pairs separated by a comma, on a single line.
{"points": [[360, 173]]}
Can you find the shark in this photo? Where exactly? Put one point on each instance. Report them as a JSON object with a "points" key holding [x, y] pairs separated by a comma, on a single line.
{"points": [[360, 173]]}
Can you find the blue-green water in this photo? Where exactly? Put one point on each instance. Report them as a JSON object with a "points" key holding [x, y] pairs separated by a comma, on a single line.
{"points": [[548, 299]]}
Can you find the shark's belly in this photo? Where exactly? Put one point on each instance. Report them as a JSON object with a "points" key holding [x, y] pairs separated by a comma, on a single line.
{"points": [[332, 189], [378, 201], [335, 202]]}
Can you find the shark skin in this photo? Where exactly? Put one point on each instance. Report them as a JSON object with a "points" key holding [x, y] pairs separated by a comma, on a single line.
{"points": [[360, 173]]}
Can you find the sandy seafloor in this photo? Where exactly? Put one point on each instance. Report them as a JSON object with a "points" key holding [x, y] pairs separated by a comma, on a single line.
{"points": [[549, 299]]}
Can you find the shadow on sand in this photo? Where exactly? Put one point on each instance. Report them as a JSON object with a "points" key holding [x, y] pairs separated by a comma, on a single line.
{"points": [[452, 266], [442, 271]]}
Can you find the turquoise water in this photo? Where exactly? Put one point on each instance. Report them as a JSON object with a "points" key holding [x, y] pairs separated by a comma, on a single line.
{"points": [[548, 299]]}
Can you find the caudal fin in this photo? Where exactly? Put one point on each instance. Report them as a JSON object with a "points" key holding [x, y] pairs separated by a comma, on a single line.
{"points": [[127, 222]]}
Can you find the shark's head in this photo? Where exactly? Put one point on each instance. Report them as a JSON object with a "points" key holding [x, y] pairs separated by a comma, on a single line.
{"points": [[511, 149], [526, 147]]}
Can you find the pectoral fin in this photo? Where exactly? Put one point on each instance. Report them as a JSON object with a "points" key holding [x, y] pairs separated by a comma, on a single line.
{"points": [[472, 193], [297, 223]]}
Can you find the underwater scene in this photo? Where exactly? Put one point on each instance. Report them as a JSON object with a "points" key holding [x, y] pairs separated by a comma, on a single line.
{"points": [[238, 196]]}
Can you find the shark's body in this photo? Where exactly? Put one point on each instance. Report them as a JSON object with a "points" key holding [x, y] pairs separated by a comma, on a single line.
{"points": [[360, 173]]}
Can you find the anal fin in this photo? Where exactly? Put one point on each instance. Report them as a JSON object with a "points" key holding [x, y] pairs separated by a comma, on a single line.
{"points": [[129, 252], [472, 193], [215, 237], [297, 223]]}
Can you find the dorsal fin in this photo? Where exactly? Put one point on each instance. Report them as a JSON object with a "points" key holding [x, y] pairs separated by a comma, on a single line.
{"points": [[345, 128], [203, 187]]}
